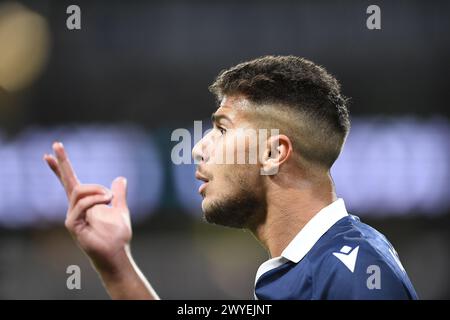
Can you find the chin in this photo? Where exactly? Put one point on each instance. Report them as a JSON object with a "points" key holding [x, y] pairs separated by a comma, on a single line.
{"points": [[206, 203], [204, 206]]}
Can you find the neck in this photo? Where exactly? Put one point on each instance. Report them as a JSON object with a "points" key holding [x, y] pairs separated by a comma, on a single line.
{"points": [[288, 210]]}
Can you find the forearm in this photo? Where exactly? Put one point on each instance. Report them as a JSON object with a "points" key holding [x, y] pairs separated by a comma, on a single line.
{"points": [[125, 281]]}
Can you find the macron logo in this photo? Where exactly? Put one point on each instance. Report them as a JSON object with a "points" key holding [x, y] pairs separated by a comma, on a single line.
{"points": [[348, 256]]}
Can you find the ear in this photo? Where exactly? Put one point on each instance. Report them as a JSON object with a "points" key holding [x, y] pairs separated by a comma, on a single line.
{"points": [[278, 150]]}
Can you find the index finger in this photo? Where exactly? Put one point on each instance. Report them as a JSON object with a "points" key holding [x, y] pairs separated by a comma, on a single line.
{"points": [[53, 164], [68, 177]]}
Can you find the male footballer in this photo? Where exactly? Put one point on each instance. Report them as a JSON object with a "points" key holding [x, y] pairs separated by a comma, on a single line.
{"points": [[286, 198]]}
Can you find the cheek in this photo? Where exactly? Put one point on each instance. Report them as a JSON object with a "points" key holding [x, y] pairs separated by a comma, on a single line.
{"points": [[222, 149], [226, 180], [241, 177]]}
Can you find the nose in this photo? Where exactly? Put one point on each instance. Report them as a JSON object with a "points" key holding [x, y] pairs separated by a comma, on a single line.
{"points": [[203, 148], [197, 152]]}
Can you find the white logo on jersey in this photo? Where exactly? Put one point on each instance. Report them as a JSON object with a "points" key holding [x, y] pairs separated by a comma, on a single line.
{"points": [[348, 256]]}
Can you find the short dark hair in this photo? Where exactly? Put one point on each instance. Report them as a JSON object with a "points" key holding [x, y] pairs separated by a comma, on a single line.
{"points": [[300, 85]]}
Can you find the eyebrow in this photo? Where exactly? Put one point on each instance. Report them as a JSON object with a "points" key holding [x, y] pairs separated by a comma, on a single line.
{"points": [[217, 117]]}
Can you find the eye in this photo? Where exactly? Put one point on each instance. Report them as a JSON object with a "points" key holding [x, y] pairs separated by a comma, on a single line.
{"points": [[222, 130]]}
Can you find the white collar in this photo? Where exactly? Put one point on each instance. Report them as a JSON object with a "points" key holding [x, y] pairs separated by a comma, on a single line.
{"points": [[307, 237]]}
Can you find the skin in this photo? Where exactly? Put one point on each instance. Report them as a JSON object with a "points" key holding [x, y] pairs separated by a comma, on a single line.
{"points": [[273, 207]]}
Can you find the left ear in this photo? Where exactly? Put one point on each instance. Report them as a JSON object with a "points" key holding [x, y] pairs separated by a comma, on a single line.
{"points": [[278, 150]]}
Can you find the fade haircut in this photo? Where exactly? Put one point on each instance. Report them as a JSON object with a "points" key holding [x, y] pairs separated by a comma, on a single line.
{"points": [[296, 96]]}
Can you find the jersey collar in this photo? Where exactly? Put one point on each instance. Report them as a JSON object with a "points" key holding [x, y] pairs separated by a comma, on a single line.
{"points": [[307, 237]]}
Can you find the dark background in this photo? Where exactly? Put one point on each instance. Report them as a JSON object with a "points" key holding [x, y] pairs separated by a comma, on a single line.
{"points": [[144, 66]]}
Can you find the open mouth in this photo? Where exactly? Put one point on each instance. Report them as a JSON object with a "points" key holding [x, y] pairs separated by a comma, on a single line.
{"points": [[202, 188]]}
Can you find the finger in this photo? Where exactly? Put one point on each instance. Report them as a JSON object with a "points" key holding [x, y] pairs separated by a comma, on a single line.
{"points": [[79, 211], [53, 164], [82, 190], [119, 190], [68, 176]]}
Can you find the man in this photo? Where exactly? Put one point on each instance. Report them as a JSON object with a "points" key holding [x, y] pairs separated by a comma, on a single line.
{"points": [[286, 198]]}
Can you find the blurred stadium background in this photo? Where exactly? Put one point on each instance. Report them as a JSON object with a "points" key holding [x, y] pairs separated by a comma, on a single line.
{"points": [[115, 90]]}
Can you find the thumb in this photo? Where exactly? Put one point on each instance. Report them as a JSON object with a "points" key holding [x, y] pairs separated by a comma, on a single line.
{"points": [[119, 190]]}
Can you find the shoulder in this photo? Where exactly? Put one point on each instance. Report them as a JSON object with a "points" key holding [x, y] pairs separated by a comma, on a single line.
{"points": [[355, 261]]}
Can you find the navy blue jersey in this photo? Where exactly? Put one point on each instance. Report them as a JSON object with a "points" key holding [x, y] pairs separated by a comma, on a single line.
{"points": [[335, 256]]}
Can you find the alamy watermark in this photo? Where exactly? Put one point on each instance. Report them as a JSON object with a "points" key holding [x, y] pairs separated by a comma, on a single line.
{"points": [[374, 280], [73, 21], [373, 21], [73, 281]]}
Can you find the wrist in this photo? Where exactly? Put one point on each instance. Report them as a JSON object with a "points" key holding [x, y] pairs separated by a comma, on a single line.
{"points": [[117, 267]]}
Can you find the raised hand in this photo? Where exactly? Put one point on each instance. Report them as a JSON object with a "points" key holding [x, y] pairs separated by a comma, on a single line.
{"points": [[99, 221], [97, 218]]}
